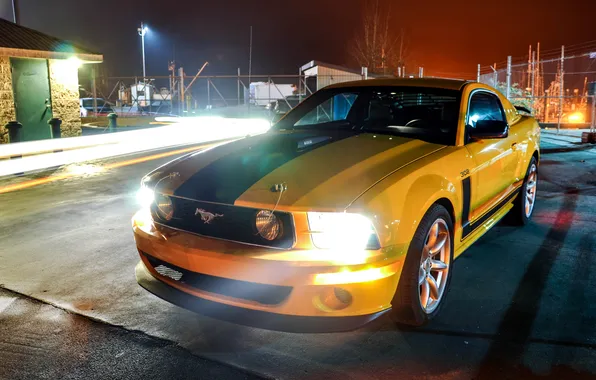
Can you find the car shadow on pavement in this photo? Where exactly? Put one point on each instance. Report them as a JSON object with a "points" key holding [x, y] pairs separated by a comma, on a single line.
{"points": [[513, 334]]}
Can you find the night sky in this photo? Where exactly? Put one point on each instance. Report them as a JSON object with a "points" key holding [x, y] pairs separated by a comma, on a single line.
{"points": [[446, 37]]}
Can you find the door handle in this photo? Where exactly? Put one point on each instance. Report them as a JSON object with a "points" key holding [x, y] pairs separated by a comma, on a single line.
{"points": [[514, 146]]}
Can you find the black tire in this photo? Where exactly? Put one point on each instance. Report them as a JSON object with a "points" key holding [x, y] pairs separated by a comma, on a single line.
{"points": [[518, 216], [406, 304]]}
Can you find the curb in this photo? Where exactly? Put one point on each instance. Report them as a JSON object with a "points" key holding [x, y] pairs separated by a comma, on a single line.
{"points": [[567, 150]]}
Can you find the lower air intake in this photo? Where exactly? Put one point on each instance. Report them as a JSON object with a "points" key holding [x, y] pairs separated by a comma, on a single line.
{"points": [[251, 291]]}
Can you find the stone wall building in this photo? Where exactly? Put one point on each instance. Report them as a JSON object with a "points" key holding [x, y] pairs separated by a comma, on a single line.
{"points": [[39, 81]]}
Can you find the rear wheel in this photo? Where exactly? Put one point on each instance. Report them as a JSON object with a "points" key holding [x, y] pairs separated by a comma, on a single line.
{"points": [[523, 207], [425, 277]]}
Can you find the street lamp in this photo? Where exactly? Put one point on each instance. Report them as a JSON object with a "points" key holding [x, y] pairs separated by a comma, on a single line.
{"points": [[142, 31]]}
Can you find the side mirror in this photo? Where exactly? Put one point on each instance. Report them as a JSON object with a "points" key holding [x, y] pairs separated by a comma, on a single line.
{"points": [[489, 129]]}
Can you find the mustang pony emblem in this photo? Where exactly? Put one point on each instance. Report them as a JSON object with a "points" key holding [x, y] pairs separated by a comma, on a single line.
{"points": [[207, 216]]}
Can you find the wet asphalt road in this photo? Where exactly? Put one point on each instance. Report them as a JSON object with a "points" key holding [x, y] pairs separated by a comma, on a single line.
{"points": [[521, 303], [40, 341]]}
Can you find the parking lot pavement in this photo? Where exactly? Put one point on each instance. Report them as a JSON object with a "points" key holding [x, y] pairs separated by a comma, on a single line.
{"points": [[565, 140], [520, 303], [39, 341]]}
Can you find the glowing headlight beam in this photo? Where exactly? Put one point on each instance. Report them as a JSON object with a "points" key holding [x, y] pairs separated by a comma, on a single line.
{"points": [[340, 230], [145, 196]]}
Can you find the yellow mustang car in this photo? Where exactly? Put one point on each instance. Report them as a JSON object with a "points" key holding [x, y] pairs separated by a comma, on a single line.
{"points": [[352, 206]]}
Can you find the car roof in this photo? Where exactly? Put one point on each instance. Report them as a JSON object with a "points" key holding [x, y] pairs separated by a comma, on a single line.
{"points": [[444, 83]]}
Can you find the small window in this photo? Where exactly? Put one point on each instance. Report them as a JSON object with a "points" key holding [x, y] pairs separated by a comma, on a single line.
{"points": [[484, 106], [335, 108]]}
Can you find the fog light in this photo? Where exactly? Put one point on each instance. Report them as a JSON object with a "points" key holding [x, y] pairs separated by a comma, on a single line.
{"points": [[336, 298], [268, 226]]}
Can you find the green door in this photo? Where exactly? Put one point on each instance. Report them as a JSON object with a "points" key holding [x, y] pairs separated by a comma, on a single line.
{"points": [[31, 84]]}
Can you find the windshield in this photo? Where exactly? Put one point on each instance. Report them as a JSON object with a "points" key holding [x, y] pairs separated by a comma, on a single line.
{"points": [[429, 114]]}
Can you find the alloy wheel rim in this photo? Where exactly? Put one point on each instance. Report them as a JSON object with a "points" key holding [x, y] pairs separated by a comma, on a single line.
{"points": [[531, 191], [434, 266]]}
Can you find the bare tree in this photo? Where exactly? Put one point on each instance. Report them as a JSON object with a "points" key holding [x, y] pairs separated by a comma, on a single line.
{"points": [[376, 45]]}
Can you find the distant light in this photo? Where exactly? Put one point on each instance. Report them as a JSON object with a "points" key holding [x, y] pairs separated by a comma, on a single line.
{"points": [[75, 62], [577, 118], [143, 31]]}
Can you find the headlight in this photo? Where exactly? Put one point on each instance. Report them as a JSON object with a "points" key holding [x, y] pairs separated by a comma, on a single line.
{"points": [[268, 225], [342, 230], [145, 196], [165, 207]]}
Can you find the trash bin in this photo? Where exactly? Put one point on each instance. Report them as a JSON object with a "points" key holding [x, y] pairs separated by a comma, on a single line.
{"points": [[112, 122], [55, 124], [15, 131]]}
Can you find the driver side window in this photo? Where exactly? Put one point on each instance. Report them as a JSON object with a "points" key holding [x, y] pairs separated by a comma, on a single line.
{"points": [[484, 106]]}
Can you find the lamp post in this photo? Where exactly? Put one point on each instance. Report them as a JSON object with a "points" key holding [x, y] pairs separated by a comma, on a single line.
{"points": [[142, 31], [15, 13]]}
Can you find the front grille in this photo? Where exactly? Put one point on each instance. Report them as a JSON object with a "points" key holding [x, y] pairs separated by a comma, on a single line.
{"points": [[263, 294], [229, 222]]}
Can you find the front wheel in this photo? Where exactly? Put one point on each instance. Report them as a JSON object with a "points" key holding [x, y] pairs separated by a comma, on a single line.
{"points": [[426, 273]]}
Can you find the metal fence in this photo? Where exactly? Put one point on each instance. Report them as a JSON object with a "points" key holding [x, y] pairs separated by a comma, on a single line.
{"points": [[557, 89], [228, 95]]}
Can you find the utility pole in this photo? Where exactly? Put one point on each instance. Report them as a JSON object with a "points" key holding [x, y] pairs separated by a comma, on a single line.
{"points": [[529, 67], [172, 69], [181, 104], [478, 74], [561, 90], [508, 93], [539, 83], [533, 79]]}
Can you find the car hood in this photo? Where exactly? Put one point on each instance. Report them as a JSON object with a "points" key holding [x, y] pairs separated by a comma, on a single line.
{"points": [[322, 170]]}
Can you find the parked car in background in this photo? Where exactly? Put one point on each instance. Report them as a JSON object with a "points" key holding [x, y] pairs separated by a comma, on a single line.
{"points": [[103, 108]]}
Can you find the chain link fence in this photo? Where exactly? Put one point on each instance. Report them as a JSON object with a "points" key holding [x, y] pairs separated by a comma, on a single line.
{"points": [[227, 95], [556, 90]]}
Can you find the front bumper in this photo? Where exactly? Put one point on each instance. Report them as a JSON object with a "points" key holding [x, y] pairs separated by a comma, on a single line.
{"points": [[249, 317], [260, 287]]}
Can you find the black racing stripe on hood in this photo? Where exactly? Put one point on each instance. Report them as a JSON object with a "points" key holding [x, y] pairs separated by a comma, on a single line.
{"points": [[226, 179]]}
